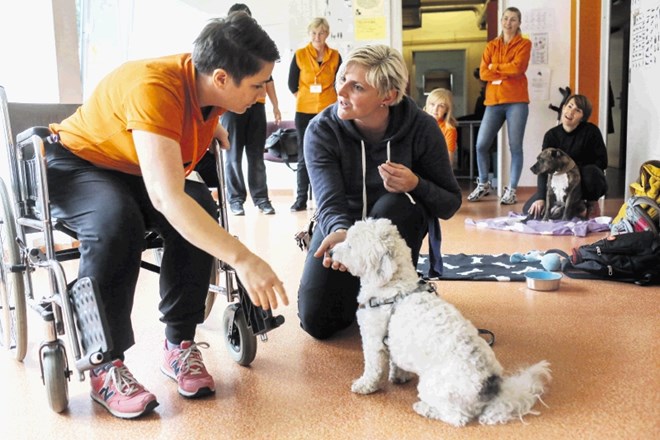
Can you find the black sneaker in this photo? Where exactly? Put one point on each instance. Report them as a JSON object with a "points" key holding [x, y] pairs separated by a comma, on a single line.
{"points": [[236, 208], [300, 205], [266, 208]]}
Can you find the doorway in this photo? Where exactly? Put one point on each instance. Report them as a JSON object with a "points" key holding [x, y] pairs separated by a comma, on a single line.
{"points": [[447, 69], [618, 97]]}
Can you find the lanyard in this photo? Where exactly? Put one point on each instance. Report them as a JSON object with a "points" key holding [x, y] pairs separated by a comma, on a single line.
{"points": [[316, 63]]}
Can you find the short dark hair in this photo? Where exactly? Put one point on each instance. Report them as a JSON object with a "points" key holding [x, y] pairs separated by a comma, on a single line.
{"points": [[240, 7], [236, 44], [583, 103]]}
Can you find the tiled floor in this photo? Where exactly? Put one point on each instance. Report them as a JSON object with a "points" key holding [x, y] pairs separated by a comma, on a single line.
{"points": [[600, 337]]}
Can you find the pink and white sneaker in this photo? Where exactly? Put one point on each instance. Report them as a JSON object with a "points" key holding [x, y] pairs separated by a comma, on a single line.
{"points": [[115, 388], [184, 364]]}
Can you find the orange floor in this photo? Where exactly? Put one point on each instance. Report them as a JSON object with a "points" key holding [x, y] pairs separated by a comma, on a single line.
{"points": [[600, 337]]}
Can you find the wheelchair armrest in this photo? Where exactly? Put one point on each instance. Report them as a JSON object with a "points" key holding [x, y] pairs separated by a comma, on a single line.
{"points": [[42, 132]]}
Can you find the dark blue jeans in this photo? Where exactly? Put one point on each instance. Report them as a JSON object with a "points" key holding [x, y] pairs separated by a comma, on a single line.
{"points": [[327, 299], [111, 211], [302, 177], [247, 133]]}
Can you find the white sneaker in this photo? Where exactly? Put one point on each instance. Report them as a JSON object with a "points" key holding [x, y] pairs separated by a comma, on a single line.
{"points": [[509, 196], [482, 189]]}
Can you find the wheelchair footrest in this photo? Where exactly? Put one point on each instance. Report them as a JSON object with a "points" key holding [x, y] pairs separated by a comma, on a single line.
{"points": [[92, 325]]}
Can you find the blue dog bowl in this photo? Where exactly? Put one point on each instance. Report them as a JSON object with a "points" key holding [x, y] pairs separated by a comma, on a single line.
{"points": [[543, 280]]}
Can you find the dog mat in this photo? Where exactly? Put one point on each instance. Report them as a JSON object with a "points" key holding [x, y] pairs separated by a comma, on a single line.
{"points": [[479, 267], [516, 222]]}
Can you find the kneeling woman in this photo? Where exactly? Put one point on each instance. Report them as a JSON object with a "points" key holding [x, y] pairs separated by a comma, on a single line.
{"points": [[374, 153]]}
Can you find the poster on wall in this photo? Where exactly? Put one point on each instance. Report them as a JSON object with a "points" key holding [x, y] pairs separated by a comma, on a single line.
{"points": [[539, 83], [352, 22], [643, 134], [370, 22], [540, 50], [537, 20], [644, 36]]}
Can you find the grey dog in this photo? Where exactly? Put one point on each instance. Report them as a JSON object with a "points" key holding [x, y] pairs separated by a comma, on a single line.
{"points": [[564, 192]]}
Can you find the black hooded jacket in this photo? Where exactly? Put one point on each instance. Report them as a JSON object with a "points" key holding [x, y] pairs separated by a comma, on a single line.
{"points": [[333, 156]]}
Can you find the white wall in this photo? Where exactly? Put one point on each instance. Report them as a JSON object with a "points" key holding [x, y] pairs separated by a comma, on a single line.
{"points": [[542, 21], [28, 70], [643, 94]]}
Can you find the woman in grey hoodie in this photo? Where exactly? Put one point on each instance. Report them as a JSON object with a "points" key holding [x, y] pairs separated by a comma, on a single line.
{"points": [[374, 153]]}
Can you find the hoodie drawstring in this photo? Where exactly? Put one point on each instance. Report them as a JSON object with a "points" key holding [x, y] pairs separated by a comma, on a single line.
{"points": [[364, 179], [388, 159]]}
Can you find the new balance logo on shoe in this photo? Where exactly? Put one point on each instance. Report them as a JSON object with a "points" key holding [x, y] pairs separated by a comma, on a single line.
{"points": [[184, 364], [115, 388]]}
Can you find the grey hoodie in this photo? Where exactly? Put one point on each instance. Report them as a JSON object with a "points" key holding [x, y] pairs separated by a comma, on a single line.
{"points": [[333, 156]]}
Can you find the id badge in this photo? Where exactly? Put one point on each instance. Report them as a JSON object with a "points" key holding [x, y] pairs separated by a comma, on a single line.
{"points": [[315, 88]]}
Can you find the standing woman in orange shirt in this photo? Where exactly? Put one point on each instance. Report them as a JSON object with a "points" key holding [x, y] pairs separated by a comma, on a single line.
{"points": [[503, 66], [440, 105], [312, 82]]}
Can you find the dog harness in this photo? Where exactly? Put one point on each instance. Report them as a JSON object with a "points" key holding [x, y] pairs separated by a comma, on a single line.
{"points": [[422, 286]]}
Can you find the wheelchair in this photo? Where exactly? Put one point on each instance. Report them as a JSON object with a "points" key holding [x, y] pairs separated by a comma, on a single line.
{"points": [[75, 308]]}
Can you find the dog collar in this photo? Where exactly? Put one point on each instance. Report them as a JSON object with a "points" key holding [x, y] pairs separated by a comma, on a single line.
{"points": [[422, 286]]}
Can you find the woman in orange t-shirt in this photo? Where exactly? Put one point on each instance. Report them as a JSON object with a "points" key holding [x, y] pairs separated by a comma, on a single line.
{"points": [[440, 105]]}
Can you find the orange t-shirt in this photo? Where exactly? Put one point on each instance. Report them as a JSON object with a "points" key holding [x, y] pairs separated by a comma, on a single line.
{"points": [[450, 135], [155, 95]]}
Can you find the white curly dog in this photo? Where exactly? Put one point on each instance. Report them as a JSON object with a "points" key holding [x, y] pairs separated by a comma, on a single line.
{"points": [[406, 323]]}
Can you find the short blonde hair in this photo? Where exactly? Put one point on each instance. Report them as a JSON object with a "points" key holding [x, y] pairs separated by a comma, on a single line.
{"points": [[446, 96], [386, 70], [319, 22]]}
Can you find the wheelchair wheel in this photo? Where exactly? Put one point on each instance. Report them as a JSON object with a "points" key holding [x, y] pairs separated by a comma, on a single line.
{"points": [[240, 342], [13, 319], [55, 377]]}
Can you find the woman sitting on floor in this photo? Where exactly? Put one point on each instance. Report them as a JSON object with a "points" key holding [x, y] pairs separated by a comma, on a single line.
{"points": [[583, 142]]}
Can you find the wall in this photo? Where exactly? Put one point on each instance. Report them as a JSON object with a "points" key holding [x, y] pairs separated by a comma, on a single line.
{"points": [[644, 93], [28, 70]]}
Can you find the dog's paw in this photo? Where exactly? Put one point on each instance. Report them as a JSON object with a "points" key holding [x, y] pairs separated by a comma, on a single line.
{"points": [[453, 417], [400, 376], [424, 410], [364, 386], [556, 211]]}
